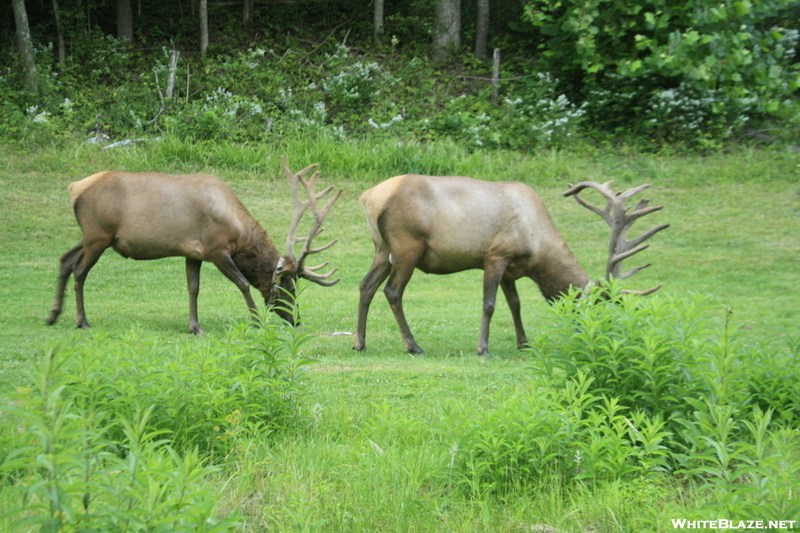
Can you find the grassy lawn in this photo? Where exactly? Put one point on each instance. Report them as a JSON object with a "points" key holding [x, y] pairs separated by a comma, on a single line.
{"points": [[378, 421]]}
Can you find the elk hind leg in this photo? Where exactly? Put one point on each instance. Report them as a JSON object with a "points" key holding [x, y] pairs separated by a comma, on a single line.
{"points": [[66, 265], [405, 261], [376, 275], [88, 258]]}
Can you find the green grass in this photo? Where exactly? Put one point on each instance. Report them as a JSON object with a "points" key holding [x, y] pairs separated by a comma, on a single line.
{"points": [[376, 440]]}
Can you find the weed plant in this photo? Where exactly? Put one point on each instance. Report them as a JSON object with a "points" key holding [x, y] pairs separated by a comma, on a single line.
{"points": [[124, 435], [638, 389]]}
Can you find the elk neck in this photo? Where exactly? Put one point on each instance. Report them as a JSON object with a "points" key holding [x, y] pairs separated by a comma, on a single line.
{"points": [[256, 257], [556, 275]]}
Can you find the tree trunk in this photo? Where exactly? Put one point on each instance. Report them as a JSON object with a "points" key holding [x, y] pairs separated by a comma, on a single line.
{"points": [[124, 20], [203, 27], [25, 44], [378, 29], [247, 13], [62, 53], [482, 29], [447, 34]]}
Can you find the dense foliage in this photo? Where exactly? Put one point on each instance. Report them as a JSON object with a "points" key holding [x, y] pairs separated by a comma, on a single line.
{"points": [[123, 435], [638, 388], [642, 71]]}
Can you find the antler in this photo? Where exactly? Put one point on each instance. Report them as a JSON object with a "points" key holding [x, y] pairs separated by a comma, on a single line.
{"points": [[617, 217], [301, 206]]}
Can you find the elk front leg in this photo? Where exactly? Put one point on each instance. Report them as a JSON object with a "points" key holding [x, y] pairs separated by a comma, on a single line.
{"points": [[226, 265], [512, 297], [66, 266], [193, 284], [493, 271], [376, 275]]}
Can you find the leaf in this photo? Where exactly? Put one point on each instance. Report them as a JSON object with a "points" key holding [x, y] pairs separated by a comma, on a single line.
{"points": [[742, 7]]}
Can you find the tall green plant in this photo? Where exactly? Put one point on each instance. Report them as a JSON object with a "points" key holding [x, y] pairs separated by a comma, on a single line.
{"points": [[202, 396], [650, 353], [72, 474]]}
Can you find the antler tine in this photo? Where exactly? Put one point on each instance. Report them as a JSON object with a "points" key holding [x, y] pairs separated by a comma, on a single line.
{"points": [[620, 220], [316, 229], [301, 206], [631, 192], [602, 189], [644, 292]]}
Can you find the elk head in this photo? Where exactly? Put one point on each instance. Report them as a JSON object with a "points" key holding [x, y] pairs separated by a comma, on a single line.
{"points": [[290, 265], [620, 221]]}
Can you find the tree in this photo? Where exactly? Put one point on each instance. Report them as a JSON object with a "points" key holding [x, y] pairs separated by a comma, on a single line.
{"points": [[482, 29], [378, 18], [203, 27], [124, 20], [735, 48], [447, 34], [62, 53], [247, 13], [25, 44]]}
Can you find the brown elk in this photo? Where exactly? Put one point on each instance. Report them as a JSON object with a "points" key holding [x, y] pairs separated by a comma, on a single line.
{"points": [[147, 215], [442, 225]]}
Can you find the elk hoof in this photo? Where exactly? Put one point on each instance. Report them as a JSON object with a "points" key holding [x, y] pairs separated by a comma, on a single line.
{"points": [[51, 319]]}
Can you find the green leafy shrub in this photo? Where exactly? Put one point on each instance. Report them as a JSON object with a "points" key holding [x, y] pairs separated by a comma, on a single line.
{"points": [[745, 469], [351, 85], [544, 435], [637, 388], [649, 353], [72, 474], [733, 52], [220, 115], [770, 373], [204, 396]]}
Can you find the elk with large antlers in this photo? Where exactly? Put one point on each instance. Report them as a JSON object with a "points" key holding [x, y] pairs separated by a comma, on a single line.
{"points": [[442, 225], [147, 215]]}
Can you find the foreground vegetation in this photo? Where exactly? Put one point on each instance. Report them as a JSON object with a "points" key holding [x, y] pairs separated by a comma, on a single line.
{"points": [[622, 416]]}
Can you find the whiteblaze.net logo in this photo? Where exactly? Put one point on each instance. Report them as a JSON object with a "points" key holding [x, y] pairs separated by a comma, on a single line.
{"points": [[743, 525]]}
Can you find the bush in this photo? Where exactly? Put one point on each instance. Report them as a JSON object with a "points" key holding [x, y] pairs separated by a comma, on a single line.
{"points": [[83, 468], [200, 396], [634, 388], [535, 437], [651, 354]]}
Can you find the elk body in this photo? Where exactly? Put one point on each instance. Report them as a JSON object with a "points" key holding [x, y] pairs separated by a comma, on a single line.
{"points": [[149, 215], [442, 225]]}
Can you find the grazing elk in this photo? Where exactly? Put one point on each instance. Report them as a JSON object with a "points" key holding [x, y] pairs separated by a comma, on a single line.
{"points": [[146, 215], [442, 225]]}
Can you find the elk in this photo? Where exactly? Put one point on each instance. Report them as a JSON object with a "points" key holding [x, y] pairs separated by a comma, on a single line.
{"points": [[447, 224], [147, 215]]}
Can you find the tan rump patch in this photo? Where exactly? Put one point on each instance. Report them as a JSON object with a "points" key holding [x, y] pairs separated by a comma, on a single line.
{"points": [[76, 188], [376, 197]]}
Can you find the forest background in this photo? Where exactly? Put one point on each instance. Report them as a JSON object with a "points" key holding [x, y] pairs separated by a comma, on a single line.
{"points": [[650, 73]]}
